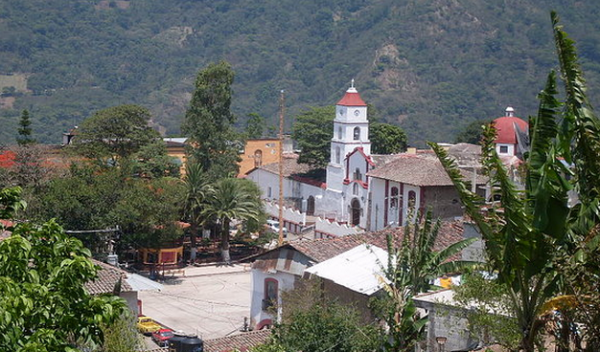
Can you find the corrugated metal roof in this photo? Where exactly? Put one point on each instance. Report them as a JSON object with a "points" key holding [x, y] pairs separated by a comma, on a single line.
{"points": [[359, 269]]}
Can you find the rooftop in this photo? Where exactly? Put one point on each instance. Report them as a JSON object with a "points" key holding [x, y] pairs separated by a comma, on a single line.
{"points": [[242, 342]]}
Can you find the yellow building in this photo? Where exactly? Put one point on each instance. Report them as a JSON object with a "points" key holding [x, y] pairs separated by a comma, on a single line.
{"points": [[256, 152]]}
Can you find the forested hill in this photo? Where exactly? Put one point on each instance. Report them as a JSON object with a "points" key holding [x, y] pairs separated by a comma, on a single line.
{"points": [[431, 66]]}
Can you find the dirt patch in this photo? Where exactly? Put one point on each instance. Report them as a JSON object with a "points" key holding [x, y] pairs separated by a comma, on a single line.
{"points": [[106, 4], [16, 80], [7, 102]]}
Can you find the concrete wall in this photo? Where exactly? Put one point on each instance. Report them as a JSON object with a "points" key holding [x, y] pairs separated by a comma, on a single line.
{"points": [[285, 282], [325, 228], [449, 322], [131, 298], [443, 201], [294, 220]]}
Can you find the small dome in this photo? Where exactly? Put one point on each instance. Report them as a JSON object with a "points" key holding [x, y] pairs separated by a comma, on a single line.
{"points": [[505, 129]]}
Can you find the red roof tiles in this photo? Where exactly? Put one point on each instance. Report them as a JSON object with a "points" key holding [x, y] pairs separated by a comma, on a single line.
{"points": [[241, 342], [351, 99], [505, 129]]}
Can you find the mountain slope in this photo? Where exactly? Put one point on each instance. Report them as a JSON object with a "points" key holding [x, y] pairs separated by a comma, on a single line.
{"points": [[431, 66]]}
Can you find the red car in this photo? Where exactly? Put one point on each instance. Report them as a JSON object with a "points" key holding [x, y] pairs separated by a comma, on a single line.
{"points": [[162, 336]]}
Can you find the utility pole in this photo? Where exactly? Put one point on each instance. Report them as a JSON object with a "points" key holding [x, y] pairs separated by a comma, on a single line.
{"points": [[281, 108]]}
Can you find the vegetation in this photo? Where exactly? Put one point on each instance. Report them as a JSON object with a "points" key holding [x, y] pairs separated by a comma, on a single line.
{"points": [[409, 272], [313, 130], [422, 67], [43, 303], [25, 137], [524, 241], [230, 199], [472, 133], [386, 138], [312, 323], [208, 123]]}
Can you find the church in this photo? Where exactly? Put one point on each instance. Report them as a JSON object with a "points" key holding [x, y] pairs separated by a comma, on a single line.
{"points": [[361, 189]]}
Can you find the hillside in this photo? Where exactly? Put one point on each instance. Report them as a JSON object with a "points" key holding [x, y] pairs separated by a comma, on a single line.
{"points": [[431, 66]]}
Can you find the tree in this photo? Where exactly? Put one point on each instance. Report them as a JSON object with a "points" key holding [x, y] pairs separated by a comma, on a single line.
{"points": [[196, 193], [122, 336], [386, 138], [208, 123], [152, 161], [255, 126], [25, 137], [472, 133], [231, 199], [312, 323], [44, 304], [409, 272], [114, 134], [313, 132], [524, 239]]}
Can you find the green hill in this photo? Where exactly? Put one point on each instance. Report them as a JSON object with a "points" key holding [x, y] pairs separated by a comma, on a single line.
{"points": [[431, 66]]}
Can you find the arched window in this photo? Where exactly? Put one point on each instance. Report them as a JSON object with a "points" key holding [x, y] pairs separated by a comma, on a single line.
{"points": [[356, 133], [337, 155], [270, 294], [355, 189], [258, 158], [340, 132], [394, 200], [357, 175]]}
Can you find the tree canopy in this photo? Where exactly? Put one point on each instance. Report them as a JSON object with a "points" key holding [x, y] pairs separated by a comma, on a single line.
{"points": [[386, 138], [114, 133], [44, 305], [208, 122], [313, 130]]}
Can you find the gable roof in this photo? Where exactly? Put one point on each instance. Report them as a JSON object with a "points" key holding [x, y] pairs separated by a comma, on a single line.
{"points": [[361, 151], [418, 170], [108, 276], [362, 269], [322, 249], [291, 166], [242, 342]]}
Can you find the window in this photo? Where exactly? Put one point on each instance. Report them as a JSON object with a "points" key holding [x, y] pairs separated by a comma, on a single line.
{"points": [[394, 200], [356, 133], [269, 193], [357, 175], [340, 132], [355, 189], [258, 158], [337, 155], [503, 149], [270, 299]]}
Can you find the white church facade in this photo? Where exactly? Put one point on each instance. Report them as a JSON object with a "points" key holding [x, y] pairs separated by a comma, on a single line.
{"points": [[361, 189]]}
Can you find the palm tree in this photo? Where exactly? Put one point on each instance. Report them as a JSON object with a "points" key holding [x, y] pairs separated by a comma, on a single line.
{"points": [[231, 199], [409, 271], [524, 238], [197, 188]]}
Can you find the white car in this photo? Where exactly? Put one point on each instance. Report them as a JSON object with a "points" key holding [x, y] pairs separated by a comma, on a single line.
{"points": [[273, 226]]}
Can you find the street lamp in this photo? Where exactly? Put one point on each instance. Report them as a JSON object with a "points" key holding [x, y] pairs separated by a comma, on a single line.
{"points": [[441, 341]]}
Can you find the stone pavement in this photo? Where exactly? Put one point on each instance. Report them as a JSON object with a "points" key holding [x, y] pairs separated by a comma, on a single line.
{"points": [[210, 301]]}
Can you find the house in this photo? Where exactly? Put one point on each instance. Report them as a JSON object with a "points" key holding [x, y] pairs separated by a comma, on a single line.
{"points": [[353, 277], [113, 280], [278, 270], [257, 152], [239, 342], [512, 135], [414, 181]]}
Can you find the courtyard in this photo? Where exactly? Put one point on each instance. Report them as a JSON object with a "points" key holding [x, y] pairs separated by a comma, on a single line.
{"points": [[210, 301]]}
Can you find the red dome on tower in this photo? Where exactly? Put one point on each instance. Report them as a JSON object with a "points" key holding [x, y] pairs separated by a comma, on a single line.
{"points": [[505, 127], [351, 98]]}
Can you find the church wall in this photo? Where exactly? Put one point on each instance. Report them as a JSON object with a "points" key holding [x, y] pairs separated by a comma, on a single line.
{"points": [[443, 201]]}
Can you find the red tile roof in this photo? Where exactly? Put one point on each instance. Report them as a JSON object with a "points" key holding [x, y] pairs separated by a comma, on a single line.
{"points": [[240, 342], [351, 99], [108, 276], [418, 170], [322, 249], [505, 129]]}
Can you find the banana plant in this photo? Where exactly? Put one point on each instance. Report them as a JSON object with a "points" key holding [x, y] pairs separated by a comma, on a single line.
{"points": [[524, 234]]}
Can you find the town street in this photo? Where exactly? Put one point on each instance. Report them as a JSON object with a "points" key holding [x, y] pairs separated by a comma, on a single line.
{"points": [[210, 301]]}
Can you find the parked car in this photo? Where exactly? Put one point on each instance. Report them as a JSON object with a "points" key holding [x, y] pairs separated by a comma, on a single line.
{"points": [[273, 226], [161, 337], [147, 325]]}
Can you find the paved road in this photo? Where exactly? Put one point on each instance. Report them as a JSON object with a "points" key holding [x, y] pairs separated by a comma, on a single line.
{"points": [[210, 301]]}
